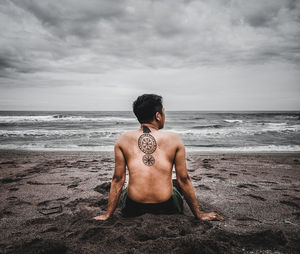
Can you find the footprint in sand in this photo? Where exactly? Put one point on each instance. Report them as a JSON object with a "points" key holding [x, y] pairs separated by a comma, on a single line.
{"points": [[220, 178], [103, 188], [93, 170], [34, 183], [37, 221], [12, 198], [103, 174], [48, 207], [107, 160], [203, 187], [208, 166], [22, 202], [255, 197], [62, 198], [211, 175], [206, 160], [215, 176], [5, 213], [45, 202], [74, 185], [196, 178], [10, 179], [101, 203], [268, 182]]}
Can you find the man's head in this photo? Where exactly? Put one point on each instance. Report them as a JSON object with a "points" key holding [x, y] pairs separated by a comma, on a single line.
{"points": [[148, 108]]}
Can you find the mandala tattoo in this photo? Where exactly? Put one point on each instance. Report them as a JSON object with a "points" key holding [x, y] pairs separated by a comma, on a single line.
{"points": [[147, 143], [148, 159]]}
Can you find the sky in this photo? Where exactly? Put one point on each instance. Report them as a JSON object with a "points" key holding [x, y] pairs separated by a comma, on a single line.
{"points": [[102, 54]]}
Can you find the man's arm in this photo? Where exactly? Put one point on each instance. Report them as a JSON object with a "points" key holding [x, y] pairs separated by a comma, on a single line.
{"points": [[185, 183], [116, 183]]}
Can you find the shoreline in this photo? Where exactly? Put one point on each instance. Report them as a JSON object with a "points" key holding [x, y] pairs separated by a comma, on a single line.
{"points": [[49, 197], [187, 152]]}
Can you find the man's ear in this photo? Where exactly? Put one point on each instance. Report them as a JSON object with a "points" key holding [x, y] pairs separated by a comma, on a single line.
{"points": [[157, 116]]}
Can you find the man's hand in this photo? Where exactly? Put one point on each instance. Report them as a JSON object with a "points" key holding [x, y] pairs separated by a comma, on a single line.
{"points": [[210, 216], [101, 217]]}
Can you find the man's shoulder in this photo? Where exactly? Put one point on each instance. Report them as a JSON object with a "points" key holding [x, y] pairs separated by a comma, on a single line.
{"points": [[125, 135], [172, 137], [171, 134]]}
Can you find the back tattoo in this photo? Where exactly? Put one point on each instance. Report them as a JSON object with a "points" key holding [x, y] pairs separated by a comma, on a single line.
{"points": [[147, 145]]}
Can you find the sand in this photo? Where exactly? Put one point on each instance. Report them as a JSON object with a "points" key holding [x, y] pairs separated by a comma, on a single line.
{"points": [[48, 200]]}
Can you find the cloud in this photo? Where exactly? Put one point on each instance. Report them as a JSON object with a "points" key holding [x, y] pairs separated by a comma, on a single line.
{"points": [[72, 18], [96, 36]]}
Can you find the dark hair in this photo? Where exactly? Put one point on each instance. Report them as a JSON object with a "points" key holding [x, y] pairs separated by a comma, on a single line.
{"points": [[146, 106]]}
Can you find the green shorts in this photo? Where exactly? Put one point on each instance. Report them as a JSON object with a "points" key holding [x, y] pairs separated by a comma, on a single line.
{"points": [[131, 208]]}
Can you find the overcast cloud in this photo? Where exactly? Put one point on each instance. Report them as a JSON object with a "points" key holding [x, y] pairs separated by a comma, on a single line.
{"points": [[99, 55]]}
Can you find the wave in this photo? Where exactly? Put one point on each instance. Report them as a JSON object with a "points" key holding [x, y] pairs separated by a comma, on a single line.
{"points": [[281, 127], [59, 133], [233, 121], [248, 149], [62, 118], [18, 119], [194, 132], [239, 130], [47, 147], [207, 126]]}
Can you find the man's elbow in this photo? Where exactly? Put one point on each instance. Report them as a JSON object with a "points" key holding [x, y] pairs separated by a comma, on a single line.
{"points": [[120, 179], [183, 180]]}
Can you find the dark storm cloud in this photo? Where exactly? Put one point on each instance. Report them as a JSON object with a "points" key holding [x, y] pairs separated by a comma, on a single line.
{"points": [[9, 64], [5, 64], [67, 18], [95, 36]]}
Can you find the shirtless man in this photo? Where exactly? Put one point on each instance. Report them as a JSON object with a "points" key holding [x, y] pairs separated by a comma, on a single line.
{"points": [[149, 155]]}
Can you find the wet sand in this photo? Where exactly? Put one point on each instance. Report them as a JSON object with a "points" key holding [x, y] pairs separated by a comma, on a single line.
{"points": [[49, 198]]}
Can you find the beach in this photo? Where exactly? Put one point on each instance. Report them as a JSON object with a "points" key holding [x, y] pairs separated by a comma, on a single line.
{"points": [[48, 199]]}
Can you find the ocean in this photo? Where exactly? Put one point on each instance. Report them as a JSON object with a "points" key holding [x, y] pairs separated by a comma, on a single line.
{"points": [[200, 131]]}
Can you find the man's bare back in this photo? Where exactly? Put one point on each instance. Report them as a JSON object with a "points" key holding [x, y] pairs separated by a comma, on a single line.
{"points": [[150, 184], [149, 154]]}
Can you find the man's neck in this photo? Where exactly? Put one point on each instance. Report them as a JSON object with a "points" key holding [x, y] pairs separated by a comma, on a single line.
{"points": [[150, 125]]}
